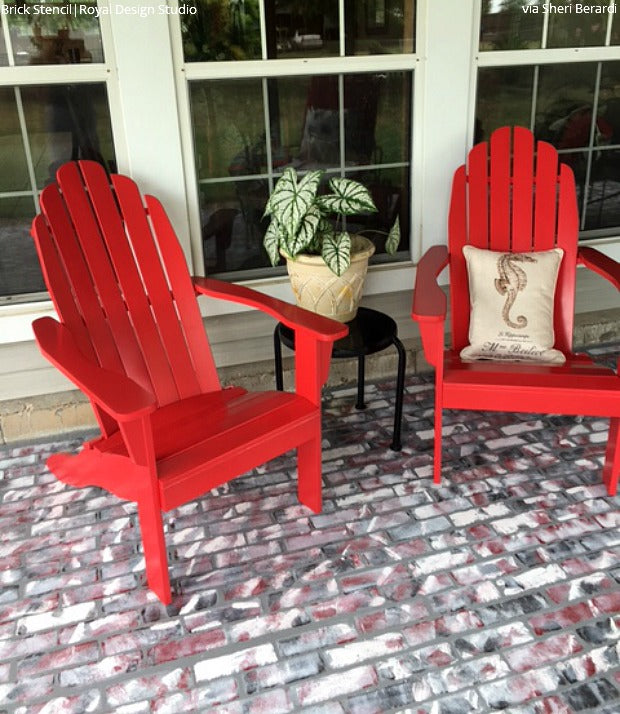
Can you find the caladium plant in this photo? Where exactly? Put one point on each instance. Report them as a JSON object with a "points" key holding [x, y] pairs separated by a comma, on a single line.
{"points": [[300, 218]]}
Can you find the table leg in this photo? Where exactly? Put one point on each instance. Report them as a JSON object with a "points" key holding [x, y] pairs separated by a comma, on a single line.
{"points": [[360, 383], [400, 388], [277, 352]]}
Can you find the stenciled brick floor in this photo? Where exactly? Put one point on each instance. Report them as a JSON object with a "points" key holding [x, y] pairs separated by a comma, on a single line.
{"points": [[498, 591]]}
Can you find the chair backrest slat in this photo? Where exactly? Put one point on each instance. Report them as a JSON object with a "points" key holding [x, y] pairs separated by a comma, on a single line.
{"points": [[477, 193], [545, 235], [499, 189], [513, 195], [109, 259], [522, 190]]}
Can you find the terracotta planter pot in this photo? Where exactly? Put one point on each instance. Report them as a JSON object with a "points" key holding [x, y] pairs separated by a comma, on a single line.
{"points": [[316, 288]]}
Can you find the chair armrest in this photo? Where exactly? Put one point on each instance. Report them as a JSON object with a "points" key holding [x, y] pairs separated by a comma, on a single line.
{"points": [[602, 264], [429, 300], [314, 334], [296, 318], [430, 306], [115, 393]]}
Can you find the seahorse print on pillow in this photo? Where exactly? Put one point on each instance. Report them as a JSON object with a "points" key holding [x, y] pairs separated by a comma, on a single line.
{"points": [[511, 305]]}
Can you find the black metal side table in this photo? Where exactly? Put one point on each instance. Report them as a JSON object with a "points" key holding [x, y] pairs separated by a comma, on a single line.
{"points": [[369, 332]]}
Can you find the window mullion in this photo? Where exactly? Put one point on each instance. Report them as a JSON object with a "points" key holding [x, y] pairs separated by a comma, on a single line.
{"points": [[267, 120], [590, 151]]}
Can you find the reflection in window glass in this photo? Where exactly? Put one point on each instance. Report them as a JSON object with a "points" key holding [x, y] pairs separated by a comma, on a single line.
{"points": [[60, 123], [302, 29], [564, 104], [221, 30], [19, 266], [388, 96], [504, 97], [14, 174], [229, 129], [390, 189], [376, 27], [66, 122], [336, 123], [505, 26], [232, 225], [520, 24], [576, 107], [573, 29], [603, 206], [70, 36]]}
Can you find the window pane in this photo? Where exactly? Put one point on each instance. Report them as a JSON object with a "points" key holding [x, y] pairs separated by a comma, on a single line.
{"points": [[390, 189], [603, 209], [504, 98], [229, 127], [375, 27], [19, 266], [609, 101], [305, 122], [302, 29], [505, 25], [221, 30], [577, 29], [14, 174], [232, 225], [66, 122], [564, 104], [69, 35], [386, 96]]}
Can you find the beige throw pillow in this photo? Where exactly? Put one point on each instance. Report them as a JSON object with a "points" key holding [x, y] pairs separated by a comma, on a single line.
{"points": [[512, 296]]}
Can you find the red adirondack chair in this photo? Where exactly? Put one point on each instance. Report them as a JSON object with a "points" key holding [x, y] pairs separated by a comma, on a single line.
{"points": [[513, 196], [132, 339]]}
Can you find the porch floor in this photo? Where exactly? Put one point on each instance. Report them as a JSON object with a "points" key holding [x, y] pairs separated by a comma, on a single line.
{"points": [[497, 591]]}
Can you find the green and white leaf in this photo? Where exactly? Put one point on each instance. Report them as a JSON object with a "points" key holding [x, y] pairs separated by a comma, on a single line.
{"points": [[290, 200], [393, 240], [348, 197], [274, 236], [337, 251], [306, 231]]}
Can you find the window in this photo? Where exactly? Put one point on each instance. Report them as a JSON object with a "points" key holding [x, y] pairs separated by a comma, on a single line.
{"points": [[320, 108], [560, 76], [45, 121]]}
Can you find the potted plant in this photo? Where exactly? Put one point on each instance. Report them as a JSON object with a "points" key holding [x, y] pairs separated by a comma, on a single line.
{"points": [[326, 264]]}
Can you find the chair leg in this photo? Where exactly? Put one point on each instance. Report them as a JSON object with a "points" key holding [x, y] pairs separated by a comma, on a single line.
{"points": [[154, 544], [438, 444], [309, 482], [611, 469]]}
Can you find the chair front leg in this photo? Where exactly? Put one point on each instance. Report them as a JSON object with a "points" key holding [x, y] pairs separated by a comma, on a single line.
{"points": [[438, 422], [611, 469], [139, 440]]}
